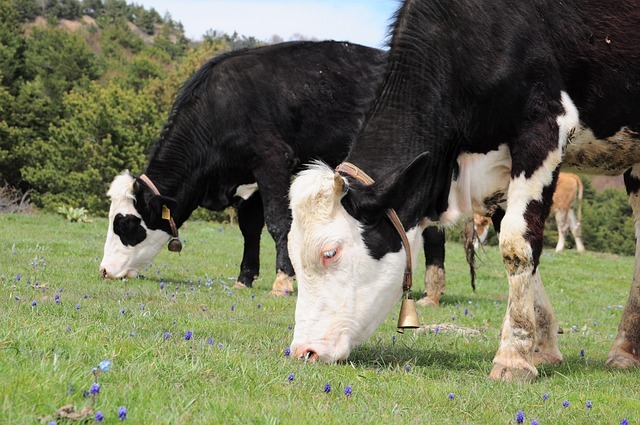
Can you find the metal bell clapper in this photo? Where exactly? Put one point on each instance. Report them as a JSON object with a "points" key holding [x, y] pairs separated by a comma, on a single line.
{"points": [[408, 318], [175, 245]]}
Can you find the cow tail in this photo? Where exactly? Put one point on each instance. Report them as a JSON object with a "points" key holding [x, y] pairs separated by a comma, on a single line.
{"points": [[579, 198], [468, 233]]}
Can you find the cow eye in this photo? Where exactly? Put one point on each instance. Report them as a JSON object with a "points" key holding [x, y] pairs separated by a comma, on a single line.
{"points": [[329, 254]]}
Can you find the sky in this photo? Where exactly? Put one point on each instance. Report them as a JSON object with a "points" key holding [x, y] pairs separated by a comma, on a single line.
{"points": [[358, 21]]}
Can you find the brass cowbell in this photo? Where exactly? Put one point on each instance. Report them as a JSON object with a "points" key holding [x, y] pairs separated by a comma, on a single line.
{"points": [[408, 318]]}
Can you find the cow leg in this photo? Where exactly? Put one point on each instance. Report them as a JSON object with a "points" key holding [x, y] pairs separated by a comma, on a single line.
{"points": [[251, 222], [576, 231], [546, 350], [536, 156], [273, 176], [625, 351], [563, 228], [434, 277]]}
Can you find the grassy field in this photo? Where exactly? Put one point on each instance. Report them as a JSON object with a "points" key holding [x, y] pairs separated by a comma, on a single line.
{"points": [[59, 320]]}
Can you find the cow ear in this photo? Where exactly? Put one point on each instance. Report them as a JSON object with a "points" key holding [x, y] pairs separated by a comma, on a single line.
{"points": [[393, 190], [156, 205], [370, 203]]}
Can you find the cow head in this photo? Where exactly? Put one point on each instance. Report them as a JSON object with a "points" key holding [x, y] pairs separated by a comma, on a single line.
{"points": [[136, 231], [348, 259]]}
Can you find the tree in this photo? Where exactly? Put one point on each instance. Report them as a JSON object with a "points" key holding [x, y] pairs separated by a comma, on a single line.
{"points": [[105, 130], [11, 44]]}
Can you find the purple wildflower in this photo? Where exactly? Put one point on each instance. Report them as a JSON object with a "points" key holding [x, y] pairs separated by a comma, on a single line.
{"points": [[122, 413], [534, 422], [188, 335], [347, 390], [99, 416], [210, 342], [327, 387], [95, 389], [287, 352], [68, 329], [57, 298], [233, 307], [259, 305], [624, 421], [451, 396], [141, 306], [77, 306], [86, 296], [18, 276], [161, 285], [291, 376], [122, 311], [589, 404], [34, 303], [167, 335], [406, 368], [582, 353], [565, 403], [519, 416], [545, 396]]}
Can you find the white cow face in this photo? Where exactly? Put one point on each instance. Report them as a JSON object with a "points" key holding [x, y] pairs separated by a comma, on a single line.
{"points": [[344, 293], [131, 245]]}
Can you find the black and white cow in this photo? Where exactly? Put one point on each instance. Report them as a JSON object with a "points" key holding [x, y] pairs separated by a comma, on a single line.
{"points": [[481, 103], [246, 120]]}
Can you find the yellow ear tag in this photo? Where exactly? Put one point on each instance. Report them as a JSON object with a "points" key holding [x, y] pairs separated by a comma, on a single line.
{"points": [[166, 213]]}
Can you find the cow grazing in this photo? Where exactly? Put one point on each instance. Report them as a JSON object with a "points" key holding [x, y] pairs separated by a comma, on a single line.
{"points": [[246, 120], [480, 104], [569, 190]]}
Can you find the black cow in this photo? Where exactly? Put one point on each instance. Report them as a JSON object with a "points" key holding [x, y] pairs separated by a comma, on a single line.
{"points": [[481, 103]]}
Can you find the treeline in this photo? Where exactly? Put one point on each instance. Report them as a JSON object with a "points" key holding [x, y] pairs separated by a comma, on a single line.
{"points": [[85, 88]]}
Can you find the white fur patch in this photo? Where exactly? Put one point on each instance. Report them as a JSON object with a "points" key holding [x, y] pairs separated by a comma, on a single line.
{"points": [[245, 191]]}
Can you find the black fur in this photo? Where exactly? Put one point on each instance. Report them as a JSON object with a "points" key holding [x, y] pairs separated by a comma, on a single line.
{"points": [[129, 229], [258, 115]]}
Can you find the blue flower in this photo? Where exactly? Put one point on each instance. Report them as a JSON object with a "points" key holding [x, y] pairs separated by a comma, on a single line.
{"points": [[105, 365], [34, 303], [565, 403], [95, 389], [167, 335], [287, 352], [122, 413], [161, 285], [99, 416], [188, 335], [77, 306], [210, 341], [233, 307], [624, 421], [520, 416], [406, 368], [582, 353], [451, 396], [589, 404], [57, 298], [141, 306], [534, 422], [347, 390], [122, 311], [327, 387], [545, 396], [291, 376]]}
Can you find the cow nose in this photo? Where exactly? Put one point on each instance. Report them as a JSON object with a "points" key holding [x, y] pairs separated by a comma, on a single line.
{"points": [[103, 272], [308, 355]]}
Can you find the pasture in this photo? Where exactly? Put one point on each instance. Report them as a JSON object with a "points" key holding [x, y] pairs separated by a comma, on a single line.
{"points": [[59, 319]]}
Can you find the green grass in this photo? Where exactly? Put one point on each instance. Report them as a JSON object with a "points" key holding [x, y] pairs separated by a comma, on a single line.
{"points": [[243, 376]]}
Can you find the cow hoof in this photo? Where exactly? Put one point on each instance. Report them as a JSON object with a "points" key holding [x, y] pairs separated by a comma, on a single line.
{"points": [[240, 285], [622, 360], [547, 358], [524, 373], [283, 285], [427, 302]]}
